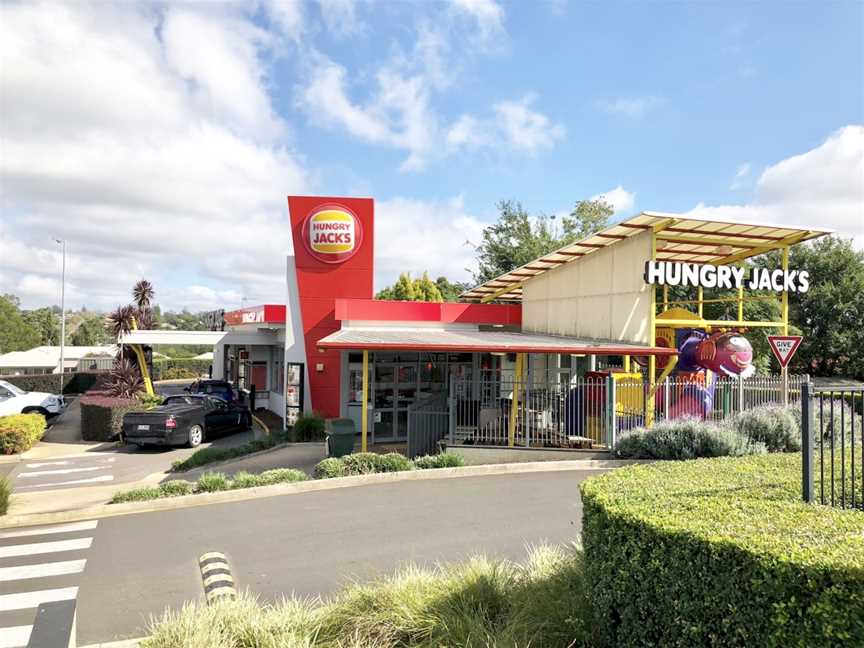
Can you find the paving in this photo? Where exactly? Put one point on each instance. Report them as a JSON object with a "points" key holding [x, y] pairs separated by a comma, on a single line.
{"points": [[311, 543], [39, 565]]}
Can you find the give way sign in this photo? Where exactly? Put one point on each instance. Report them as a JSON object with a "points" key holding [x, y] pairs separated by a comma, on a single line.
{"points": [[784, 347]]}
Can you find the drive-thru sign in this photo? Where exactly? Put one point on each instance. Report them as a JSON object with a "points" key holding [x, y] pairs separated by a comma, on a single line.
{"points": [[784, 347]]}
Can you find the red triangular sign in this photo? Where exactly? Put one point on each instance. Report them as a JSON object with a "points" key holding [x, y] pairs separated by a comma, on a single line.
{"points": [[784, 347]]}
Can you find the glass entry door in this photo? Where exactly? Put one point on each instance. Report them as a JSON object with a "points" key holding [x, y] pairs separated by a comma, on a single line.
{"points": [[395, 387]]}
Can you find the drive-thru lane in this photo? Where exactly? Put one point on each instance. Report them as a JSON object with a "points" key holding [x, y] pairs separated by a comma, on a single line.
{"points": [[309, 543]]}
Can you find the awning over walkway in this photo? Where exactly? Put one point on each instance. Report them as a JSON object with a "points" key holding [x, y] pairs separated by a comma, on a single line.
{"points": [[202, 338], [383, 339]]}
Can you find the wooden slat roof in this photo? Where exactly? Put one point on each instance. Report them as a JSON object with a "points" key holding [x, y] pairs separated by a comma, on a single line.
{"points": [[680, 237]]}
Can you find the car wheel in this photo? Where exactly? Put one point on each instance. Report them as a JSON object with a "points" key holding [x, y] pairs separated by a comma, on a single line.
{"points": [[196, 436]]}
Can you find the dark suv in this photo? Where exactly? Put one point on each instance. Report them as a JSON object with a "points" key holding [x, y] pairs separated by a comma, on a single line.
{"points": [[220, 388]]}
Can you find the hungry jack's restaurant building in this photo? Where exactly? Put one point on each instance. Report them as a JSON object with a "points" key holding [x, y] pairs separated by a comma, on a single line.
{"points": [[505, 364]]}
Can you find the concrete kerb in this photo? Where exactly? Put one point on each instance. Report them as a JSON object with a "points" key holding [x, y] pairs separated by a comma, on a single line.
{"points": [[221, 497]]}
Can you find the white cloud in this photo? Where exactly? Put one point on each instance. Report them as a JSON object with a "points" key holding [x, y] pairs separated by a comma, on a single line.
{"points": [[410, 235], [149, 157], [287, 15], [820, 188], [515, 125], [340, 16], [620, 199], [633, 107], [488, 15], [741, 175]]}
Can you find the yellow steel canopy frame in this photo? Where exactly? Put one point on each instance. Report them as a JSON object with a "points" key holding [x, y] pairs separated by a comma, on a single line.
{"points": [[142, 363]]}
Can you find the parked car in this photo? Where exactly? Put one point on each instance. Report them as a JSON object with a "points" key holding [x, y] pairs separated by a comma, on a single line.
{"points": [[187, 419], [220, 388], [14, 400]]}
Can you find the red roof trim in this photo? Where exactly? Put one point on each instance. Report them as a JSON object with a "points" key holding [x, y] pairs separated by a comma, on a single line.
{"points": [[502, 348], [261, 314]]}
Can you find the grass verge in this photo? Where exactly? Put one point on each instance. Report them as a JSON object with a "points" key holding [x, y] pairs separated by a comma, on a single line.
{"points": [[210, 455], [209, 482], [478, 603], [5, 495]]}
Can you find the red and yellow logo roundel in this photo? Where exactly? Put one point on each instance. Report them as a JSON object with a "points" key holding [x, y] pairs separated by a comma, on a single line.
{"points": [[332, 233]]}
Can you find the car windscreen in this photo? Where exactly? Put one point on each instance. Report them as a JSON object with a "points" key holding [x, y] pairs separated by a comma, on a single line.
{"points": [[182, 400]]}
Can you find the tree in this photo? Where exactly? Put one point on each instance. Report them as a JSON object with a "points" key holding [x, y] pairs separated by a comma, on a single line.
{"points": [[46, 324], [450, 291], [829, 315], [517, 237], [15, 333], [142, 293], [408, 289], [89, 330]]}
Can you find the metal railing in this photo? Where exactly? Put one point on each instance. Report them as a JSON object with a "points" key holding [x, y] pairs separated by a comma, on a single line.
{"points": [[428, 423], [832, 431]]}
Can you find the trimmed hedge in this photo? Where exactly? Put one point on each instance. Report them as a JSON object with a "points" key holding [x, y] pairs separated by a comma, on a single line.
{"points": [[168, 368], [18, 432], [721, 552], [73, 383], [102, 416]]}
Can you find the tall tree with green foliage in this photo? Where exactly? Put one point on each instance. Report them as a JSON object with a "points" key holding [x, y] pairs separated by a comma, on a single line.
{"points": [[46, 324], [16, 334], [450, 291], [518, 237], [830, 315], [89, 330]]}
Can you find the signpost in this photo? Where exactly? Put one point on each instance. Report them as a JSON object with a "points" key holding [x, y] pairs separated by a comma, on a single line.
{"points": [[784, 347]]}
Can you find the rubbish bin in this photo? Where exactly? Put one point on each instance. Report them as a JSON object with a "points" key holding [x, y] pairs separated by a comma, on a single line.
{"points": [[340, 437]]}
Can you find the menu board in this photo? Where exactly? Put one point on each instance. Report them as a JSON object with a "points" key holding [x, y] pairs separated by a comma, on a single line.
{"points": [[294, 373]]}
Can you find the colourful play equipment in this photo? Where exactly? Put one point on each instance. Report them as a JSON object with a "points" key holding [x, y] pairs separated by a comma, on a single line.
{"points": [[704, 353]]}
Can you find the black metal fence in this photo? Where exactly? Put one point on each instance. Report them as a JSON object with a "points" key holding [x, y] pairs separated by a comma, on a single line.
{"points": [[428, 423], [832, 431]]}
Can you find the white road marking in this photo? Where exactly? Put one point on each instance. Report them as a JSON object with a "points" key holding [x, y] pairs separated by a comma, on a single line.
{"points": [[45, 547], [103, 478], [15, 636], [92, 455], [26, 600], [62, 471], [67, 463], [23, 572], [58, 528]]}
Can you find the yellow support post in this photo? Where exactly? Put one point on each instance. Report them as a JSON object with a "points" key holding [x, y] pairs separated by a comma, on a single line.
{"points": [[627, 364], [665, 298], [514, 403], [699, 296], [364, 426], [785, 317], [652, 339], [142, 365], [740, 303]]}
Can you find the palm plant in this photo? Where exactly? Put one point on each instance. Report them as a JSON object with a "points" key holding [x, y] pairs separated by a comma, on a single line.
{"points": [[125, 379], [120, 320], [142, 293]]}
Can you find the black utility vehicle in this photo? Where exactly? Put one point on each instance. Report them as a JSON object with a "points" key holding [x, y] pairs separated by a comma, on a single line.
{"points": [[186, 419]]}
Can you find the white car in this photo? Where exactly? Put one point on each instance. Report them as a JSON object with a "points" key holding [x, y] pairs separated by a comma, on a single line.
{"points": [[14, 400]]}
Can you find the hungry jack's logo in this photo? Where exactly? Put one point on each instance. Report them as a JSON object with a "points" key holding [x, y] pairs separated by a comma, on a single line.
{"points": [[332, 233]]}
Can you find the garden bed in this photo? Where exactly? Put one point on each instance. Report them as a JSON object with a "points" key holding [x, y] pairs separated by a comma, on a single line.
{"points": [[721, 552]]}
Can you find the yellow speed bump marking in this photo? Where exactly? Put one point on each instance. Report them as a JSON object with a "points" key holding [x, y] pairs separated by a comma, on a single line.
{"points": [[216, 576]]}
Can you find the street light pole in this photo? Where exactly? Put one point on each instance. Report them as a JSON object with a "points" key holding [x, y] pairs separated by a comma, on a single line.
{"points": [[62, 242]]}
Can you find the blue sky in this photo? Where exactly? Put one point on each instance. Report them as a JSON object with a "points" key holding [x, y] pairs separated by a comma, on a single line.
{"points": [[197, 119]]}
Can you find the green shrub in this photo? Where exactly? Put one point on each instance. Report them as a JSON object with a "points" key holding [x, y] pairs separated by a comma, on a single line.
{"points": [[102, 416], [281, 475], [149, 401], [209, 455], [442, 460], [392, 462], [5, 495], [178, 373], [480, 603], [329, 468], [176, 488], [309, 427], [18, 432], [136, 495], [773, 425], [244, 479], [720, 552], [684, 438], [211, 482], [164, 368]]}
